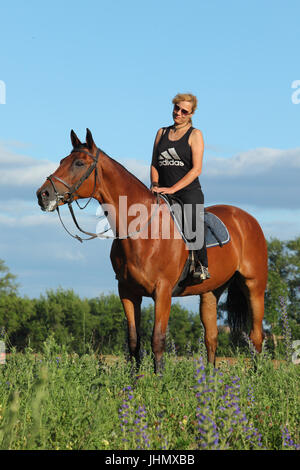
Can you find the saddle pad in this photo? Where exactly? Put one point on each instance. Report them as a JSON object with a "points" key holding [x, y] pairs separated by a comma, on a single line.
{"points": [[215, 230], [216, 233]]}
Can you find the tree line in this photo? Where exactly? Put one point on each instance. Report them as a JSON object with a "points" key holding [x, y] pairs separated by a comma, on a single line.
{"points": [[99, 323]]}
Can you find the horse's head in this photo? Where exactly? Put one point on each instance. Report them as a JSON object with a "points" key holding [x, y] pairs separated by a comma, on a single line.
{"points": [[75, 177]]}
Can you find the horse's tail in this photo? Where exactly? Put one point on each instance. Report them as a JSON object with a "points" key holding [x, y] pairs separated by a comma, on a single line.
{"points": [[239, 318]]}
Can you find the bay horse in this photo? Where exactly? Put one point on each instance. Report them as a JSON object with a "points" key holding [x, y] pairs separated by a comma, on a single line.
{"points": [[151, 266]]}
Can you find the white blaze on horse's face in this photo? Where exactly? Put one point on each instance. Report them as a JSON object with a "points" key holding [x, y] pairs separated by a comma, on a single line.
{"points": [[52, 205], [46, 198], [52, 193]]}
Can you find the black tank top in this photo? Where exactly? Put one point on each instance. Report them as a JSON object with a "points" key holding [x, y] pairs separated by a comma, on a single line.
{"points": [[173, 160]]}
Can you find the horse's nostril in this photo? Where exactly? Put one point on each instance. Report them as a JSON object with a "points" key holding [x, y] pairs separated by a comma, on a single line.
{"points": [[45, 194]]}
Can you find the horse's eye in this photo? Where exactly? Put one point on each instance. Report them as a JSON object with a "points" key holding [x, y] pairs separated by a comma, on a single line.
{"points": [[79, 163]]}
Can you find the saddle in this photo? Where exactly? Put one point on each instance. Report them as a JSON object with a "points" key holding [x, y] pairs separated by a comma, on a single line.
{"points": [[215, 234]]}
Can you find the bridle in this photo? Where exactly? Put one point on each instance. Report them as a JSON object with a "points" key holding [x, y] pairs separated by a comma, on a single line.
{"points": [[73, 189], [68, 197]]}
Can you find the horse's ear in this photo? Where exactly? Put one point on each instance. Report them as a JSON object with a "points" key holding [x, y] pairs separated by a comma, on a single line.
{"points": [[89, 140], [75, 141]]}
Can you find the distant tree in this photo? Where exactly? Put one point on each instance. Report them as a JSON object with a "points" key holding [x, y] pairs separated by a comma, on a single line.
{"points": [[184, 328], [147, 322], [15, 315], [109, 326], [283, 283], [294, 279], [65, 315], [8, 284], [14, 311], [279, 270]]}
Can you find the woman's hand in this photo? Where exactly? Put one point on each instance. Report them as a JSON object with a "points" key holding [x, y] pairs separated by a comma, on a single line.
{"points": [[163, 190]]}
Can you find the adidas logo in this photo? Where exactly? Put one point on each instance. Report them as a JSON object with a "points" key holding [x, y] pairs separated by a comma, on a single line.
{"points": [[170, 158]]}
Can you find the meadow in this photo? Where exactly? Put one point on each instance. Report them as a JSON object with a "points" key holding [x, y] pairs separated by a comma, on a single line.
{"points": [[55, 400]]}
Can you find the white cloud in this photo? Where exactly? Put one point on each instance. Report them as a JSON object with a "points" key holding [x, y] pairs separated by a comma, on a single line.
{"points": [[27, 175], [21, 170], [69, 255], [21, 213], [254, 162], [261, 177]]}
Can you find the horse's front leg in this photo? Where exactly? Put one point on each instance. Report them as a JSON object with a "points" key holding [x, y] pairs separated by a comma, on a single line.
{"points": [[163, 300], [132, 308]]}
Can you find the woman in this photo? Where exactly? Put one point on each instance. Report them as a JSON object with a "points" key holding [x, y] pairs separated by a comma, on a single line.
{"points": [[176, 165]]}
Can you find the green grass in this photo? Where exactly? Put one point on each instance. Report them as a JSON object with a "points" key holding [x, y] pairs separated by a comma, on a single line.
{"points": [[61, 401]]}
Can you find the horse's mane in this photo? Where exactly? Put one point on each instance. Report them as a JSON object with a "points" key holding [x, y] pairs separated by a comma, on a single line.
{"points": [[127, 173]]}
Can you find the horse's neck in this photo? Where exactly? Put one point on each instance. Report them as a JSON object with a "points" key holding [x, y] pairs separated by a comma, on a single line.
{"points": [[121, 189], [117, 181]]}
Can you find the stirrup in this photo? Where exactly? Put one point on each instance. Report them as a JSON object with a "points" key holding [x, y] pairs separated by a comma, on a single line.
{"points": [[201, 272]]}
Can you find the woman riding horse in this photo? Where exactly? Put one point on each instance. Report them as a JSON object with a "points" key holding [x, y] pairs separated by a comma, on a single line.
{"points": [[151, 267], [176, 165]]}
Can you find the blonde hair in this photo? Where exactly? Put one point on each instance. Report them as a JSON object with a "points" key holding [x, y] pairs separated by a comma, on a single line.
{"points": [[186, 97]]}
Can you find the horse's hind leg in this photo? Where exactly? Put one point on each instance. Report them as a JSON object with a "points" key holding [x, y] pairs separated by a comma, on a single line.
{"points": [[132, 308], [255, 297], [208, 315]]}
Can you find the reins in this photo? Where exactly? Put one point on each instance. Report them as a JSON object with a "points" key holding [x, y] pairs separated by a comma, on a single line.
{"points": [[72, 190]]}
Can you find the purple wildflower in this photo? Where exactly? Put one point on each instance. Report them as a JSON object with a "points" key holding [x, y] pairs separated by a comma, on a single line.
{"points": [[124, 411], [233, 415], [133, 421], [252, 349], [208, 437], [140, 428], [287, 441], [251, 399]]}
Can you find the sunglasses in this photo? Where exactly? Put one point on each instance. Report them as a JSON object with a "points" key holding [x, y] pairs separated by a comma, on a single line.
{"points": [[183, 111]]}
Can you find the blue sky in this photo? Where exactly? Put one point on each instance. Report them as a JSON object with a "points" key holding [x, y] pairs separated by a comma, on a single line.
{"points": [[114, 67]]}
